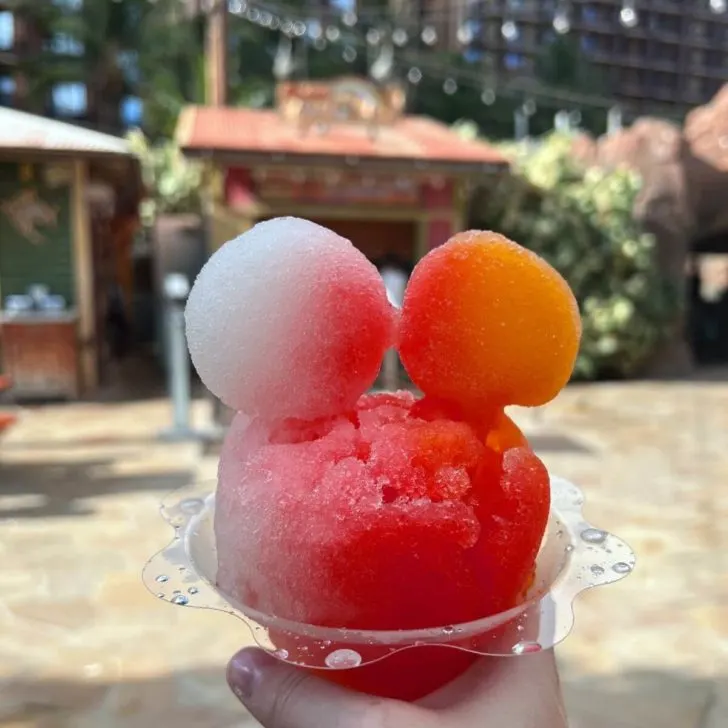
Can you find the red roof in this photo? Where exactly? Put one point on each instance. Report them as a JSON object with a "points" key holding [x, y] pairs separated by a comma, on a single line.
{"points": [[255, 131]]}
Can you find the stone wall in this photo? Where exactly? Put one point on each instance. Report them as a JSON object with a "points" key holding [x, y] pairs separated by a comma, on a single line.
{"points": [[683, 199]]}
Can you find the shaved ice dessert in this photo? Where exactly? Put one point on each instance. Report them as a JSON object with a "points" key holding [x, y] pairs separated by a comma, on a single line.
{"points": [[340, 508]]}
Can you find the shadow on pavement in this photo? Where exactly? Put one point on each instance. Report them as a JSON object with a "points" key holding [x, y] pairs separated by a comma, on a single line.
{"points": [[200, 698], [64, 488]]}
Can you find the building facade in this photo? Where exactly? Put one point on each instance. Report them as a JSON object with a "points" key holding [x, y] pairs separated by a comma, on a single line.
{"points": [[668, 52]]}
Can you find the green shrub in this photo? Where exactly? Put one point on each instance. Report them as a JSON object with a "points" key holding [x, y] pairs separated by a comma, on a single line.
{"points": [[582, 222]]}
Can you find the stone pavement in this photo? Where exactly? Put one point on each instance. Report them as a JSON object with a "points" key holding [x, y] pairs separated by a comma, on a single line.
{"points": [[83, 645]]}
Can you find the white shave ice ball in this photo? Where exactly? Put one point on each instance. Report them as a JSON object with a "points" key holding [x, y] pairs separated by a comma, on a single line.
{"points": [[288, 320]]}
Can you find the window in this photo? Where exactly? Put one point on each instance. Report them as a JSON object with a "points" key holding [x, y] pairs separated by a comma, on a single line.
{"points": [[669, 24], [714, 59], [546, 36], [588, 43], [132, 111], [697, 58], [70, 99], [698, 29], [7, 30], [7, 90], [512, 61], [66, 45], [589, 14], [667, 52]]}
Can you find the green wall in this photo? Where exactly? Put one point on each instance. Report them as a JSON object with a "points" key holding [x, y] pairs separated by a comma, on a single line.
{"points": [[23, 262]]}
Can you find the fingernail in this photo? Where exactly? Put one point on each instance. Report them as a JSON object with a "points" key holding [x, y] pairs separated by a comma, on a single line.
{"points": [[243, 672]]}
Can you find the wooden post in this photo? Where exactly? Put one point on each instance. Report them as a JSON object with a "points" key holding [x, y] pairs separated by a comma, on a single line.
{"points": [[216, 53], [84, 277]]}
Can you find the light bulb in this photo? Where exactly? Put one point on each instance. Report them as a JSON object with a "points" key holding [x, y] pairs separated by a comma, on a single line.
{"points": [[509, 30], [562, 24], [628, 16], [488, 96], [429, 35], [414, 75], [399, 37], [465, 34], [450, 86]]}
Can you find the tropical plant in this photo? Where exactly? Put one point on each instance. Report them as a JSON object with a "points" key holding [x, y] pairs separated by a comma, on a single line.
{"points": [[172, 181], [582, 222]]}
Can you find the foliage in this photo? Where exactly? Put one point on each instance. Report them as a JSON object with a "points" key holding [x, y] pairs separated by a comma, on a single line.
{"points": [[155, 50], [119, 48], [581, 221], [172, 181]]}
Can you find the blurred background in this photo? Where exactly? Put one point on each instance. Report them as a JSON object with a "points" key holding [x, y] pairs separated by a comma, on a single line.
{"points": [[137, 136]]}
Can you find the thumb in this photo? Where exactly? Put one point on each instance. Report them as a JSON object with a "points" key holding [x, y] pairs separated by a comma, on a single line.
{"points": [[282, 696]]}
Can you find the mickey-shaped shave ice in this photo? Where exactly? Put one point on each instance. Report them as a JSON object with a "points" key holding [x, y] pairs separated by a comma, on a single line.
{"points": [[288, 320], [378, 511]]}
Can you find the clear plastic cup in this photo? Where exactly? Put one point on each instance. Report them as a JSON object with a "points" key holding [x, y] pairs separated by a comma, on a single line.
{"points": [[406, 664]]}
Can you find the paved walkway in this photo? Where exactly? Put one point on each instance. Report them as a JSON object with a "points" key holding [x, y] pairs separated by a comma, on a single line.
{"points": [[83, 645]]}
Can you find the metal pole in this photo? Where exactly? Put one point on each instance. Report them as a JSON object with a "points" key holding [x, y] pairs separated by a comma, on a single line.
{"points": [[179, 369], [176, 289]]}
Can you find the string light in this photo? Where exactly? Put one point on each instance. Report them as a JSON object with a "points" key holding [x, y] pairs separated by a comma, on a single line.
{"points": [[414, 75], [628, 14], [400, 37], [450, 86], [488, 96], [373, 36], [562, 21], [414, 64], [718, 6], [465, 33], [349, 19], [429, 35], [314, 29], [509, 30]]}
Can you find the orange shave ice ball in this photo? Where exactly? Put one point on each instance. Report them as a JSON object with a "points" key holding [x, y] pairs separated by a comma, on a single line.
{"points": [[487, 323]]}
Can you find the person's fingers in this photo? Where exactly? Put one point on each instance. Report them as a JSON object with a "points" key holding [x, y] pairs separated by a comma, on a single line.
{"points": [[510, 691], [282, 696]]}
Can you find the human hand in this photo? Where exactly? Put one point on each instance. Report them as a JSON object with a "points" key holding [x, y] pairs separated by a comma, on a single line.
{"points": [[497, 692]]}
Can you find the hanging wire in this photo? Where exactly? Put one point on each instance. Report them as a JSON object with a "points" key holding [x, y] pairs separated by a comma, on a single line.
{"points": [[415, 65]]}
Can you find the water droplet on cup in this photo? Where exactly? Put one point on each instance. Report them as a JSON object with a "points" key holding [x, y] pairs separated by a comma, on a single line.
{"points": [[597, 570], [593, 535], [525, 647], [281, 654], [343, 659], [162, 578], [569, 548], [180, 599], [193, 590], [621, 568], [160, 595], [448, 630]]}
